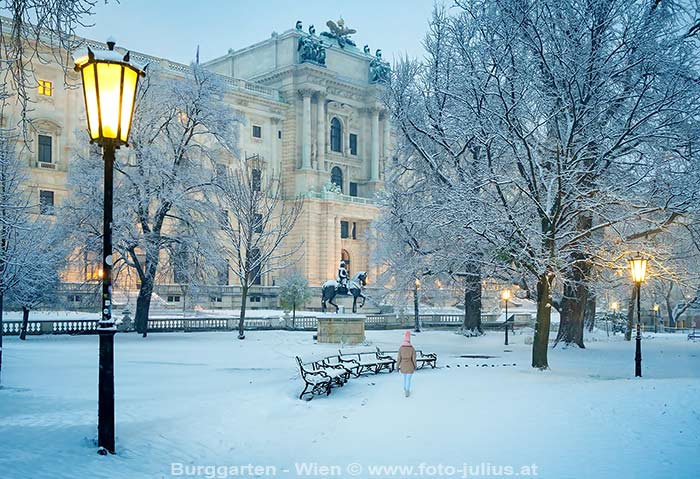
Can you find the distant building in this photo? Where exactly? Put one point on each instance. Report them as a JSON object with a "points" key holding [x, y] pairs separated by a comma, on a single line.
{"points": [[312, 113]]}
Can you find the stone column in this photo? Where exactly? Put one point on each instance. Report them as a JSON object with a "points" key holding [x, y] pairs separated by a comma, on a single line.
{"points": [[276, 159], [306, 130], [387, 140], [374, 152], [321, 132]]}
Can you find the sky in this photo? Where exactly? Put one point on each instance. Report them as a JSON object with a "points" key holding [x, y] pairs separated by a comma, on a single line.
{"points": [[173, 28]]}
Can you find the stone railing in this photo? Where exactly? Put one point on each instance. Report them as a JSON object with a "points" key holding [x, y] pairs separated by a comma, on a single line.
{"points": [[302, 323], [329, 195]]}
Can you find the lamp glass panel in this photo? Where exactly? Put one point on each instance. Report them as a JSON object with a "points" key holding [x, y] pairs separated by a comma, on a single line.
{"points": [[638, 268], [109, 77], [93, 115], [128, 95]]}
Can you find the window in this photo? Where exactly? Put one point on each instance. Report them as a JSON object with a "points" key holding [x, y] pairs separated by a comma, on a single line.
{"points": [[256, 178], [258, 223], [74, 298], [255, 266], [257, 131], [279, 134], [215, 299], [222, 272], [354, 230], [336, 136], [255, 299], [46, 202], [353, 189], [353, 144], [344, 229], [44, 149], [45, 88], [181, 263], [174, 299], [337, 177]]}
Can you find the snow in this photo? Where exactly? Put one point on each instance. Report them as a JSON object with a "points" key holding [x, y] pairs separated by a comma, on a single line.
{"points": [[210, 399]]}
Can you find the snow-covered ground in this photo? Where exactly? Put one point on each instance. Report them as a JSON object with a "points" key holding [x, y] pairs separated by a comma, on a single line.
{"points": [[208, 399]]}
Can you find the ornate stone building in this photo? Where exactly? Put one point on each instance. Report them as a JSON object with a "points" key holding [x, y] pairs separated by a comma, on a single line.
{"points": [[312, 111], [329, 138]]}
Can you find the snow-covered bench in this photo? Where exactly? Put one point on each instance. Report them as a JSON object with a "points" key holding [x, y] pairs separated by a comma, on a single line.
{"points": [[422, 359], [320, 378], [368, 361]]}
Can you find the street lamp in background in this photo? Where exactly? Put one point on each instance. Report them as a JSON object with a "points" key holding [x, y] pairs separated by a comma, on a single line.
{"points": [[109, 89], [416, 286], [638, 269], [656, 318], [505, 296]]}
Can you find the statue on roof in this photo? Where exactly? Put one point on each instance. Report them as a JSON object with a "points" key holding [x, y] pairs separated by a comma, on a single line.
{"points": [[339, 33], [311, 48], [379, 70]]}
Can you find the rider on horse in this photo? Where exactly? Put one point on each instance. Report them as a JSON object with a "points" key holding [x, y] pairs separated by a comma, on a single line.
{"points": [[342, 277]]}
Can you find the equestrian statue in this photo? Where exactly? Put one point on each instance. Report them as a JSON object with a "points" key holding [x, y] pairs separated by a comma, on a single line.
{"points": [[341, 286]]}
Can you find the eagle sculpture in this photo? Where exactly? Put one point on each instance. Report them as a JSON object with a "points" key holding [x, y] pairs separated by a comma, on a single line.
{"points": [[339, 32]]}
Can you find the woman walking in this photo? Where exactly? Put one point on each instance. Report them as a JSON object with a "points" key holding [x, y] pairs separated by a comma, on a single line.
{"points": [[406, 362]]}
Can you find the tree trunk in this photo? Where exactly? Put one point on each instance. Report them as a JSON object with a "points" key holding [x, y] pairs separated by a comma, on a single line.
{"points": [[573, 303], [143, 307], [241, 320], [669, 313], [571, 313], [25, 323], [630, 314], [472, 304], [540, 343], [589, 312], [294, 314]]}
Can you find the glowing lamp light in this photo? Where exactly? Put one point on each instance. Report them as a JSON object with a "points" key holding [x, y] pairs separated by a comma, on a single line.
{"points": [[656, 308], [109, 87], [638, 268], [505, 295]]}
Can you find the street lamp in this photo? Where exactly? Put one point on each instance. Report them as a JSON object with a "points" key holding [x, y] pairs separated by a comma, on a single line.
{"points": [[505, 296], [109, 89], [638, 269], [656, 318], [416, 317]]}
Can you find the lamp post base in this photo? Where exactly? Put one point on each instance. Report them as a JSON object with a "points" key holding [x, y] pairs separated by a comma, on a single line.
{"points": [[105, 412]]}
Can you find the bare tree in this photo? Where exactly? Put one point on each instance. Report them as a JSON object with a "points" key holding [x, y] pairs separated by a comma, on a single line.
{"points": [[294, 292], [545, 126], [164, 182], [256, 222]]}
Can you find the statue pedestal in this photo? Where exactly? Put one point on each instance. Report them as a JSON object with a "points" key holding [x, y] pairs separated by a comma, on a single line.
{"points": [[341, 328]]}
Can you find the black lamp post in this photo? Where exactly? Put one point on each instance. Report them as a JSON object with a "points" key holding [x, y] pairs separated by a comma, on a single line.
{"points": [[505, 296], [109, 88], [638, 269]]}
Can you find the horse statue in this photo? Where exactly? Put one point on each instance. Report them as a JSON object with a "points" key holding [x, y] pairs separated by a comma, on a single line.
{"points": [[332, 288]]}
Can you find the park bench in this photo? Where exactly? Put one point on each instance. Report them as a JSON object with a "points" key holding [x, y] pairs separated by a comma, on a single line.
{"points": [[692, 336], [319, 378], [422, 359], [367, 361]]}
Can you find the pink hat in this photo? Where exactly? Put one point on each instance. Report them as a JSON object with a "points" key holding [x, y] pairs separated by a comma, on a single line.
{"points": [[406, 339]]}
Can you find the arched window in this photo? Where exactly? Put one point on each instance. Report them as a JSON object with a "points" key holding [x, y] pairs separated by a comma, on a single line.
{"points": [[337, 177], [336, 136]]}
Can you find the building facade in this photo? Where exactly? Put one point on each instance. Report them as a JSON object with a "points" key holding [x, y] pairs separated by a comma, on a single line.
{"points": [[312, 113]]}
